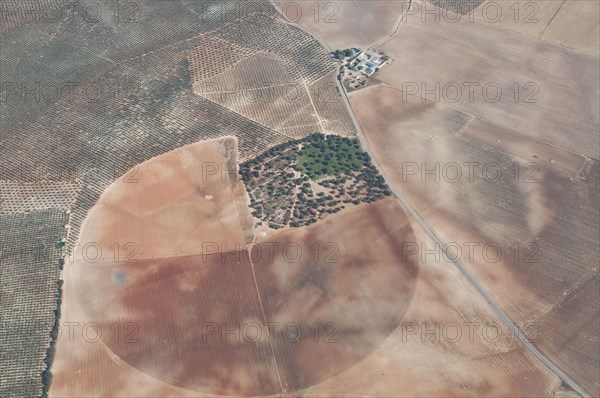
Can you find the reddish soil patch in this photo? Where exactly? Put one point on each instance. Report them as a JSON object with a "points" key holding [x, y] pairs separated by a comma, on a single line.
{"points": [[543, 221], [350, 282], [289, 313]]}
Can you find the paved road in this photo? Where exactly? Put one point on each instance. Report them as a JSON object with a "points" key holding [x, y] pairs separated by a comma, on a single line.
{"points": [[449, 255], [459, 264]]}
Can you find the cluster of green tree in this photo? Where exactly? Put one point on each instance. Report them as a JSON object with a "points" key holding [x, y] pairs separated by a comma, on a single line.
{"points": [[278, 180], [330, 155], [47, 374], [341, 54], [251, 168], [270, 187]]}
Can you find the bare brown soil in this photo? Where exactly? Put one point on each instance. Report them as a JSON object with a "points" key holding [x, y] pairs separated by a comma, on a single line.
{"points": [[549, 207], [175, 303], [524, 147], [347, 291], [442, 347], [169, 205], [351, 280], [346, 24], [533, 87], [572, 24]]}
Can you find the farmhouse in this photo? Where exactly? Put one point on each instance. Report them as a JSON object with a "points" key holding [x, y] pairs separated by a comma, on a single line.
{"points": [[360, 66], [367, 62]]}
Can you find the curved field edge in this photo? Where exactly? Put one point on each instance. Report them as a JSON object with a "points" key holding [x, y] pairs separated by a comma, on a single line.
{"points": [[95, 278], [465, 211]]}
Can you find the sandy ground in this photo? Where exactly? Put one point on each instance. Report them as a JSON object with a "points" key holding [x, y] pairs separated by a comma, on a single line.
{"points": [[168, 205], [527, 85], [447, 344], [193, 323], [570, 23], [542, 221], [346, 24]]}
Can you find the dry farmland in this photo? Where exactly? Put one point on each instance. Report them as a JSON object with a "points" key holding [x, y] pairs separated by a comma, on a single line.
{"points": [[160, 114], [361, 289], [128, 98], [360, 284], [442, 347], [124, 134], [335, 286], [260, 88], [458, 7], [164, 199], [572, 24], [523, 84], [346, 24], [543, 219], [576, 26], [271, 73]]}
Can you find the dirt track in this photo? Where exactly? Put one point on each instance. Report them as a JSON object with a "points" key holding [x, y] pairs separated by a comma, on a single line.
{"points": [[188, 324], [457, 211]]}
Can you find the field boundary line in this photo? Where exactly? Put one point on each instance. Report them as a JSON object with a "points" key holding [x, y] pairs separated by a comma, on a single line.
{"points": [[388, 38], [456, 261], [262, 309], [551, 19]]}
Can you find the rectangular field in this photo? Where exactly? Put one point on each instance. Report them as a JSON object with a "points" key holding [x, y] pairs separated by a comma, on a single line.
{"points": [[527, 85], [346, 24], [543, 221], [569, 23]]}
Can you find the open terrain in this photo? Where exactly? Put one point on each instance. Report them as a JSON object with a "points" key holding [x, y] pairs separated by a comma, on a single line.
{"points": [[569, 23], [327, 292], [84, 100], [449, 343], [142, 152], [346, 24], [520, 213], [157, 251], [343, 297], [523, 84], [192, 194]]}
